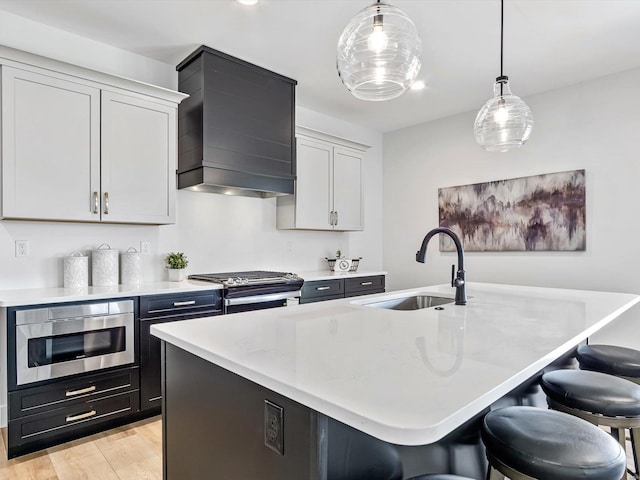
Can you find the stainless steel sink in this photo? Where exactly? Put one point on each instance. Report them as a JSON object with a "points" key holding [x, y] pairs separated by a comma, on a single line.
{"points": [[414, 302]]}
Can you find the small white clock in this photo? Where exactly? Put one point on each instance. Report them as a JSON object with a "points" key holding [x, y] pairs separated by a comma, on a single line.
{"points": [[342, 265]]}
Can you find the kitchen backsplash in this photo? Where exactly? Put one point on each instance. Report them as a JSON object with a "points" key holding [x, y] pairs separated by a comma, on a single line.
{"points": [[217, 232]]}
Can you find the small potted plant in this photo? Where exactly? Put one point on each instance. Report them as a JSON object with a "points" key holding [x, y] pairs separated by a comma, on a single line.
{"points": [[176, 266]]}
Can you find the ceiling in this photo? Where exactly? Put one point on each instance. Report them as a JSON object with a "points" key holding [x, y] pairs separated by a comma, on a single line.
{"points": [[548, 44]]}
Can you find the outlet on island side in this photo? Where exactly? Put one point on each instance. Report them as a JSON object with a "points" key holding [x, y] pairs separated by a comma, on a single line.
{"points": [[274, 427]]}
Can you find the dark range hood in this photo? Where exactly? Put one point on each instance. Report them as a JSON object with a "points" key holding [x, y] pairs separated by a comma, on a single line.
{"points": [[237, 128]]}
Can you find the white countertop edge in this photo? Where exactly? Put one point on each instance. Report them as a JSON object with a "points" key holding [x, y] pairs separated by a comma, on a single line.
{"points": [[312, 276], [45, 295], [41, 296], [400, 435]]}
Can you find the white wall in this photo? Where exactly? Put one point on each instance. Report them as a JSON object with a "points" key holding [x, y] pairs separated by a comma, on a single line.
{"points": [[216, 232], [592, 126]]}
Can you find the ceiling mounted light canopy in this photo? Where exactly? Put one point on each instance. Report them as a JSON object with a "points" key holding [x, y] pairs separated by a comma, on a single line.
{"points": [[505, 121], [379, 53]]}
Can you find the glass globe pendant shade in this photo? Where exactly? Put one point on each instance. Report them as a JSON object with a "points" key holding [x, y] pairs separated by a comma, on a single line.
{"points": [[505, 121], [379, 53]]}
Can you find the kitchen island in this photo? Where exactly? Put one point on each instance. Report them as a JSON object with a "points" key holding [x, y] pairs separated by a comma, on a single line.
{"points": [[407, 378]]}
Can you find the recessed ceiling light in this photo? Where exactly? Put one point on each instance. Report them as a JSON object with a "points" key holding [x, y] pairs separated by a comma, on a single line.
{"points": [[247, 2], [418, 85]]}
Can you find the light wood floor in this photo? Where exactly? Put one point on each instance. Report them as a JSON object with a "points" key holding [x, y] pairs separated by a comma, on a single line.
{"points": [[132, 452]]}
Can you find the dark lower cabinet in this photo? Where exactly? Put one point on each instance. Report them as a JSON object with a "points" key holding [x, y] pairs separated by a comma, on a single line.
{"points": [[70, 408], [335, 288], [155, 309], [321, 290]]}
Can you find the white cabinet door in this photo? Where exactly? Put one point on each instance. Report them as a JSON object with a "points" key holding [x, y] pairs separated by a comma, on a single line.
{"points": [[50, 147], [138, 160], [329, 186], [347, 189], [313, 197]]}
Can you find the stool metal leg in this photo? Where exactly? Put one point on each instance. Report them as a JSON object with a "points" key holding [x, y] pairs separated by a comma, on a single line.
{"points": [[493, 474], [619, 435], [635, 444]]}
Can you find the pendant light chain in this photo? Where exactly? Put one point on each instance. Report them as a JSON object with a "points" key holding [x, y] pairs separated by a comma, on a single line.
{"points": [[501, 41], [501, 34]]}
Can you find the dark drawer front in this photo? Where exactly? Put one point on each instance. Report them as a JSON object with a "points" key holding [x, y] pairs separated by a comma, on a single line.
{"points": [[181, 304], [363, 285], [49, 425], [322, 288], [68, 392]]}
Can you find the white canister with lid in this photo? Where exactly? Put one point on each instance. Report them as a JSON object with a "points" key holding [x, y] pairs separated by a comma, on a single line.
{"points": [[76, 270], [131, 267], [104, 266]]}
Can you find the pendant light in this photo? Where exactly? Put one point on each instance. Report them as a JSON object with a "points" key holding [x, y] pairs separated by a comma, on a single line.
{"points": [[505, 121], [379, 53]]}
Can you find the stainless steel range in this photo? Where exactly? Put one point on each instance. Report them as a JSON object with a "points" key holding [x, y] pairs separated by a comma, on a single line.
{"points": [[255, 290]]}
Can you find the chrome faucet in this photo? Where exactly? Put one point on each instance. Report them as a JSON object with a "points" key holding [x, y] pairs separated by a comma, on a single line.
{"points": [[457, 278]]}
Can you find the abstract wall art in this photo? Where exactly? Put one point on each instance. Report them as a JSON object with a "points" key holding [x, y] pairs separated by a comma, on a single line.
{"points": [[542, 212]]}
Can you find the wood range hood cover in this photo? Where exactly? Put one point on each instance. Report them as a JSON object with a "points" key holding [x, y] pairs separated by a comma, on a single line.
{"points": [[236, 131]]}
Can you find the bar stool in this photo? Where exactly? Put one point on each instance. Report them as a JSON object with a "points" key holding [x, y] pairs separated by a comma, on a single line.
{"points": [[439, 476], [353, 455], [525, 443], [619, 361], [599, 398]]}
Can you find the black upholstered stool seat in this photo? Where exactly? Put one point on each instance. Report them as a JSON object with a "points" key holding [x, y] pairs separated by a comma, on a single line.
{"points": [[528, 442], [593, 392], [619, 361], [599, 398], [439, 476]]}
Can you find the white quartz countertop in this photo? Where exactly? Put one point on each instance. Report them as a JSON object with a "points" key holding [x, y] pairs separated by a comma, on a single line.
{"points": [[406, 377], [311, 276], [40, 296]]}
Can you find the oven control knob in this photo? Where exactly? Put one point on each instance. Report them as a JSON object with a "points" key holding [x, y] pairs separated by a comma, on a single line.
{"points": [[243, 281], [230, 281]]}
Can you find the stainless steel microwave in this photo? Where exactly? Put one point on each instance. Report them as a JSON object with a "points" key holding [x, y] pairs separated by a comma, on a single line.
{"points": [[65, 340]]}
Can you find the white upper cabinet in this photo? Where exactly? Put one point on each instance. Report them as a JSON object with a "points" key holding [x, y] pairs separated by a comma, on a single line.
{"points": [[138, 160], [50, 147], [75, 148], [329, 185]]}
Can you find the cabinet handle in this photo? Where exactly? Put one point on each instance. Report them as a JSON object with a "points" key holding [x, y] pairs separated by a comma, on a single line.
{"points": [[106, 203], [336, 218], [364, 284], [331, 217], [72, 393], [73, 418], [323, 288], [96, 202], [184, 304]]}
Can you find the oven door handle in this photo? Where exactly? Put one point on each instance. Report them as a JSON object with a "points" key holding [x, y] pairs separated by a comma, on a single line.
{"points": [[271, 297]]}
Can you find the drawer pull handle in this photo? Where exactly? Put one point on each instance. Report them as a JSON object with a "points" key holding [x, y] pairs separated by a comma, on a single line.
{"points": [[73, 418], [323, 288], [184, 304], [364, 284], [73, 393]]}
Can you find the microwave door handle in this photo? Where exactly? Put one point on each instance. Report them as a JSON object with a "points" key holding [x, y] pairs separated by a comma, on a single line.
{"points": [[261, 298]]}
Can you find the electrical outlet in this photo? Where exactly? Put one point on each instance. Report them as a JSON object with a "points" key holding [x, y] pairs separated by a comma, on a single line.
{"points": [[274, 427], [22, 248], [145, 248]]}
